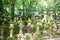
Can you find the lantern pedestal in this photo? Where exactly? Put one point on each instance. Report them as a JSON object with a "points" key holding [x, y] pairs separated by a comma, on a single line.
{"points": [[28, 36], [1, 37], [11, 32]]}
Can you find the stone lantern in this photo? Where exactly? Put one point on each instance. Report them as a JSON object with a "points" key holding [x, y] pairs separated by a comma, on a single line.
{"points": [[37, 35], [20, 35], [20, 25], [45, 32], [38, 24], [51, 13], [28, 35], [11, 29], [11, 37], [44, 15], [29, 24]]}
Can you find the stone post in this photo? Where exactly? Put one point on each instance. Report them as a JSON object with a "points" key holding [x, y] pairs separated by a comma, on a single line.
{"points": [[11, 30]]}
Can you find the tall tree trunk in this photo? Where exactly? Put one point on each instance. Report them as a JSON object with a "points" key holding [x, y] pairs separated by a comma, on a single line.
{"points": [[1, 11], [0, 5], [12, 10]]}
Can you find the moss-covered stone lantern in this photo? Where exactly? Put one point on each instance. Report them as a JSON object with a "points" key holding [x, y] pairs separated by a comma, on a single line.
{"points": [[11, 37], [20, 35], [28, 35], [37, 35]]}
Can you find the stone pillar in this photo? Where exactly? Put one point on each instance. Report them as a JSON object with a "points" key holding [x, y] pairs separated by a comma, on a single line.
{"points": [[11, 30], [28, 27], [2, 34], [37, 28], [20, 28]]}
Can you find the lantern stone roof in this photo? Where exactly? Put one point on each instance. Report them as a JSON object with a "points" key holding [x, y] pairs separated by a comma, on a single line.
{"points": [[29, 20]]}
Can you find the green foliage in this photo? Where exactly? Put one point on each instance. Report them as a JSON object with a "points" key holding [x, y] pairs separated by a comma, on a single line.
{"points": [[30, 5], [33, 29], [27, 7], [16, 29], [10, 38], [38, 36], [1, 39], [27, 37], [3, 26], [11, 27]]}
